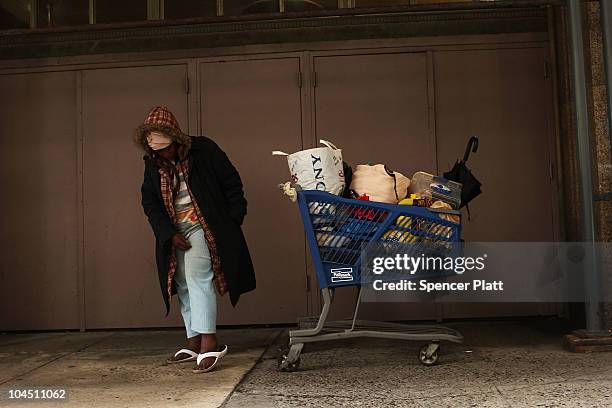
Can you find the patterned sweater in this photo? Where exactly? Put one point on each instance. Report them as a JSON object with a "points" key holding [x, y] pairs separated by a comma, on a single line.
{"points": [[186, 219]]}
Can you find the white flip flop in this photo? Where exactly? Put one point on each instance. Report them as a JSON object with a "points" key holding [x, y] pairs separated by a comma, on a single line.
{"points": [[218, 355], [192, 356]]}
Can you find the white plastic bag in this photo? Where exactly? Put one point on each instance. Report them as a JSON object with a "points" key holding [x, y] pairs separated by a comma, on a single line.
{"points": [[317, 169]]}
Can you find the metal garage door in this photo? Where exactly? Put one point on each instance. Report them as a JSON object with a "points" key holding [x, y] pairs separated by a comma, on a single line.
{"points": [[251, 107], [376, 107], [38, 174], [415, 111], [121, 282], [503, 97]]}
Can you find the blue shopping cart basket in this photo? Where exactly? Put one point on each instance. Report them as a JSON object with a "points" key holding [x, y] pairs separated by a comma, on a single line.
{"points": [[338, 230]]}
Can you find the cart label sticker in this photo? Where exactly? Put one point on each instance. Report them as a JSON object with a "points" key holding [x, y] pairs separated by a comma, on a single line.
{"points": [[341, 275]]}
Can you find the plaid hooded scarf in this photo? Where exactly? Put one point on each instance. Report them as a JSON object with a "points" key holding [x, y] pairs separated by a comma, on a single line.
{"points": [[162, 120]]}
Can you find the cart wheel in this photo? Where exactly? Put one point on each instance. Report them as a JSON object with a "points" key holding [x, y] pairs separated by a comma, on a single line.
{"points": [[428, 355], [286, 362]]}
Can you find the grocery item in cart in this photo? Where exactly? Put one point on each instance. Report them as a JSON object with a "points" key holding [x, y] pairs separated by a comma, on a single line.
{"points": [[363, 213], [448, 217], [380, 183], [320, 168], [322, 208], [327, 238], [417, 200], [403, 237], [438, 188]]}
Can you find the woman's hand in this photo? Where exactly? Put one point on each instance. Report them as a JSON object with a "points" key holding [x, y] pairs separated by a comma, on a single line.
{"points": [[179, 241]]}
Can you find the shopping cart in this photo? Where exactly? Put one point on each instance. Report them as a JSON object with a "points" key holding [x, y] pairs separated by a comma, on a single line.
{"points": [[338, 230]]}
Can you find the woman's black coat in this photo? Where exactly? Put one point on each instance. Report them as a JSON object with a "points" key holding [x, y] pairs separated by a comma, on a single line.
{"points": [[217, 188]]}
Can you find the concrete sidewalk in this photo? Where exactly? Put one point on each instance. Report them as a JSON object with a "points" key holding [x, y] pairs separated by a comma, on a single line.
{"points": [[501, 364], [124, 368]]}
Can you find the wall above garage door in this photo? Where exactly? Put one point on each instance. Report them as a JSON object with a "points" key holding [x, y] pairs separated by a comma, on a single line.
{"points": [[470, 18]]}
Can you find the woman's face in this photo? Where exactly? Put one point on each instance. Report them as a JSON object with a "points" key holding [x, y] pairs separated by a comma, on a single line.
{"points": [[169, 152], [162, 145]]}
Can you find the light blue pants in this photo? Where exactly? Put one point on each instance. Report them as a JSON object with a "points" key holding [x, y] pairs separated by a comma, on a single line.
{"points": [[194, 286]]}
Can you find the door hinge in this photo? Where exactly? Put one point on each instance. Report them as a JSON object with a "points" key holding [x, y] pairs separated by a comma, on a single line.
{"points": [[187, 86], [314, 79], [307, 283], [546, 70], [299, 79]]}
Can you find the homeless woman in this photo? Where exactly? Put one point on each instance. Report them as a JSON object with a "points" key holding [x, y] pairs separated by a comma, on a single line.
{"points": [[193, 198]]}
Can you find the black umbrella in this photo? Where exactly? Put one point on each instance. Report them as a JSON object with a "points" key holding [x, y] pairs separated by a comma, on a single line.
{"points": [[461, 174]]}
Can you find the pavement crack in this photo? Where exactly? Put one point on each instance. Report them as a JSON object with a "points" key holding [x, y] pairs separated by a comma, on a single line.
{"points": [[62, 355], [85, 347], [273, 340], [34, 369]]}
